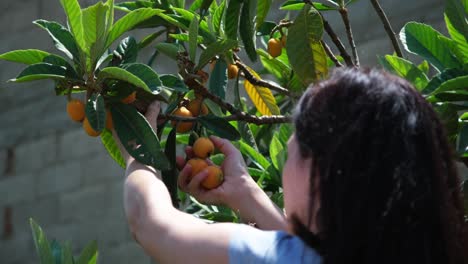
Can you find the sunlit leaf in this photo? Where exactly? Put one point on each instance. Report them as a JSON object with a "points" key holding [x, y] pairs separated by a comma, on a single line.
{"points": [[261, 97]]}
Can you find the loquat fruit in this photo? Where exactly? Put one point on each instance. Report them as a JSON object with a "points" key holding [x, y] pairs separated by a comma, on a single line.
{"points": [[130, 98], [203, 147], [76, 110], [214, 179], [197, 107], [232, 71], [197, 165], [89, 130], [182, 127], [274, 47]]}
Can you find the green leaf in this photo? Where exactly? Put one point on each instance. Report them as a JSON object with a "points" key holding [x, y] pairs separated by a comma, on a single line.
{"points": [[219, 126], [246, 30], [173, 82], [184, 17], [129, 21], [231, 19], [170, 176], [40, 241], [127, 51], [285, 132], [277, 68], [263, 9], [96, 112], [218, 79], [218, 17], [130, 6], [28, 56], [277, 152], [147, 75], [441, 78], [95, 28], [455, 16], [299, 5], [40, 71], [56, 251], [169, 49], [407, 70], [123, 75], [149, 39], [112, 148], [261, 97], [138, 137], [256, 157], [193, 34], [185, 37], [214, 49], [426, 42], [89, 254], [63, 39], [306, 54], [75, 21], [67, 255], [459, 83], [424, 67]]}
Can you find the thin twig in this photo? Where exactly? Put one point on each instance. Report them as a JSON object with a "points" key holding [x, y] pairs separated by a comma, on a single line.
{"points": [[349, 33], [258, 120], [387, 26], [331, 55]]}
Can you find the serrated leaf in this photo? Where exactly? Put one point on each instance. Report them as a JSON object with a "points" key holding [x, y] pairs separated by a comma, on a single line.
{"points": [[407, 70], [263, 9], [246, 30], [256, 157], [306, 54], [219, 126], [40, 71], [261, 97], [214, 49], [28, 56], [231, 19], [218, 17], [89, 254], [426, 42], [459, 83], [63, 39], [137, 136], [147, 75], [129, 21], [95, 26], [218, 79], [40, 241], [123, 75], [193, 34], [112, 148], [96, 112], [127, 51], [75, 21]]}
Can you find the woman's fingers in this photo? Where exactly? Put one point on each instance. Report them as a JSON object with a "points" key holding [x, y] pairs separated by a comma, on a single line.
{"points": [[180, 162], [194, 185], [183, 179], [225, 146]]}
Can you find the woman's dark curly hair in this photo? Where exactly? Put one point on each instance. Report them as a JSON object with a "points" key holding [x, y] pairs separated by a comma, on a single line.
{"points": [[389, 189]]}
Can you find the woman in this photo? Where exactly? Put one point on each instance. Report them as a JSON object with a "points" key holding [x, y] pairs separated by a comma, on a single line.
{"points": [[369, 179]]}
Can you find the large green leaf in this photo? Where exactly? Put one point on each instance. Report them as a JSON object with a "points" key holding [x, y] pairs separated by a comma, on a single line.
{"points": [[89, 254], [218, 17], [407, 70], [231, 19], [193, 34], [147, 75], [214, 49], [263, 9], [306, 54], [219, 126], [261, 97], [426, 42], [96, 112], [277, 152], [299, 5], [132, 5], [457, 19], [40, 71], [63, 39], [169, 49], [43, 248], [129, 21], [112, 148], [123, 75], [277, 68], [246, 29], [459, 83], [218, 79], [127, 51], [173, 82], [138, 137], [460, 49], [28, 56], [256, 157], [185, 17], [75, 21], [443, 77], [96, 30]]}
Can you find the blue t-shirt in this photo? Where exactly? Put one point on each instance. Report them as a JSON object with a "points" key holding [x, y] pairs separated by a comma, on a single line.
{"points": [[251, 245]]}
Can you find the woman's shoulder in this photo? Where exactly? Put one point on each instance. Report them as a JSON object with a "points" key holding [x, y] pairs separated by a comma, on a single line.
{"points": [[251, 245]]}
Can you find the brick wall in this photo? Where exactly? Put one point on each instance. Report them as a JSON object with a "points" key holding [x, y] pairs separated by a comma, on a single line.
{"points": [[51, 171]]}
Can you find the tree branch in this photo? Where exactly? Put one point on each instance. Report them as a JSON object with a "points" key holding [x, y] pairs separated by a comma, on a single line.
{"points": [[349, 33], [331, 55], [258, 120], [387, 26]]}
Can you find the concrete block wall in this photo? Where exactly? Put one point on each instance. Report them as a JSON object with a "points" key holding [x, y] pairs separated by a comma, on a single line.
{"points": [[51, 171]]}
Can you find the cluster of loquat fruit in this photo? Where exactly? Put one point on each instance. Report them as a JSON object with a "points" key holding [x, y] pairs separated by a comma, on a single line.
{"points": [[202, 149], [76, 112], [275, 46]]}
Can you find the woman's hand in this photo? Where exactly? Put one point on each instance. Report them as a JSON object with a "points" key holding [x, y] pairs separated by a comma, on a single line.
{"points": [[236, 182], [238, 190]]}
